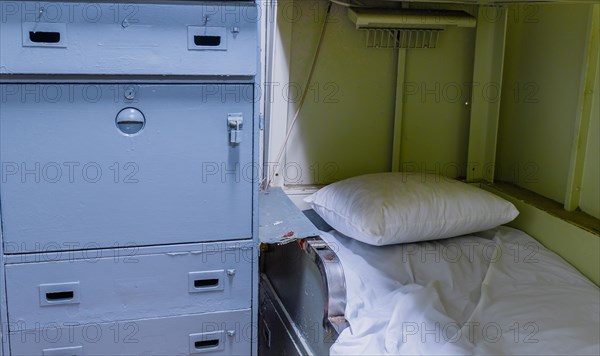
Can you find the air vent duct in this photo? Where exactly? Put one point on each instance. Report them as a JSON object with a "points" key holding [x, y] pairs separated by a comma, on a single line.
{"points": [[406, 28], [409, 19]]}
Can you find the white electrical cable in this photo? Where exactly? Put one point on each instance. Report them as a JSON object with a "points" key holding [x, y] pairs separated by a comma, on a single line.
{"points": [[302, 99]]}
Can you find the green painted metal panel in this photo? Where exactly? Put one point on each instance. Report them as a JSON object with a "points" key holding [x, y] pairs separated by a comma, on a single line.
{"points": [[543, 66], [590, 187], [577, 246]]}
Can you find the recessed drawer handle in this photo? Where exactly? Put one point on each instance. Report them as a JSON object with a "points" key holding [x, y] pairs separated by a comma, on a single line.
{"points": [[44, 37], [57, 294], [206, 283], [208, 41], [60, 296], [206, 344], [209, 342]]}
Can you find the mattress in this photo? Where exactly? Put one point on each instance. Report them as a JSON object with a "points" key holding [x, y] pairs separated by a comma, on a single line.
{"points": [[494, 292]]}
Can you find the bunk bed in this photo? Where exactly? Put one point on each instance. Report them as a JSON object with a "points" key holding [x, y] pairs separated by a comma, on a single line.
{"points": [[496, 291], [331, 293]]}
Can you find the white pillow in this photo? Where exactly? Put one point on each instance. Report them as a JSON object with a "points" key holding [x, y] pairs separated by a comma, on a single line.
{"points": [[390, 208]]}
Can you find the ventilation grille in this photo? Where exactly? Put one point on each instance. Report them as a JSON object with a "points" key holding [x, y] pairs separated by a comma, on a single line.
{"points": [[402, 38]]}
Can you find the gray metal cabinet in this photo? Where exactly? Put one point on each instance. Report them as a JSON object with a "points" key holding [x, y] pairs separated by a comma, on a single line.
{"points": [[128, 180], [72, 179]]}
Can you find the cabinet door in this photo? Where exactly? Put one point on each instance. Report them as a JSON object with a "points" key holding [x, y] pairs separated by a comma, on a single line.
{"points": [[76, 173]]}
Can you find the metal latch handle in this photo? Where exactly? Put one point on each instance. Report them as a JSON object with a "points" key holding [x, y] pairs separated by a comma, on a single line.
{"points": [[235, 122]]}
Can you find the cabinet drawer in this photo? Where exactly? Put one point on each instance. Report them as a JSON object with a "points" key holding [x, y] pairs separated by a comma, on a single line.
{"points": [[129, 38], [138, 287], [220, 333], [74, 176]]}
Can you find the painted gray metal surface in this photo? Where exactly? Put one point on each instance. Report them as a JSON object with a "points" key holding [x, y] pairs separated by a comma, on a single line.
{"points": [[279, 335], [72, 180], [332, 274], [103, 54], [256, 140], [156, 336], [4, 343], [315, 305], [223, 248], [317, 220], [131, 288], [304, 300], [131, 39], [280, 220]]}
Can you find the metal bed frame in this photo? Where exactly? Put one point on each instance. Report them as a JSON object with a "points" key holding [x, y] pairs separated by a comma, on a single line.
{"points": [[305, 320]]}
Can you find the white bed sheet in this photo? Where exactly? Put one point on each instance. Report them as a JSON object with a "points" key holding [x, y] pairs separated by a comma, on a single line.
{"points": [[494, 292]]}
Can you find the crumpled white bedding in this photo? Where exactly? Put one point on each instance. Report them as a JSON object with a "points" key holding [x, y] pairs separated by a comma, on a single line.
{"points": [[494, 292]]}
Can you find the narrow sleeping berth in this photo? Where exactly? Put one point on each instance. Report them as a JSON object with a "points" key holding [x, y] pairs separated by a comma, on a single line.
{"points": [[493, 292], [483, 235], [427, 268]]}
